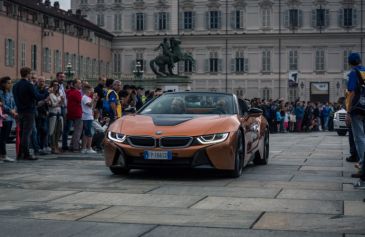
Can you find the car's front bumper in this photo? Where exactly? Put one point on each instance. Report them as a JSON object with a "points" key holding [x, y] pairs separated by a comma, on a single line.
{"points": [[217, 156]]}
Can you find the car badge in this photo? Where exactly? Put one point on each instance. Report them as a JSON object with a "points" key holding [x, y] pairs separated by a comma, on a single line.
{"points": [[158, 132]]}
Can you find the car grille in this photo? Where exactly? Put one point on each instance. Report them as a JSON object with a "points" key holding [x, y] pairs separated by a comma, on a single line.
{"points": [[175, 142], [140, 141], [342, 116]]}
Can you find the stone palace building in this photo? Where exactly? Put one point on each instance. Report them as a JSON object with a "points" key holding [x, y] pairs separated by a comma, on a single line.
{"points": [[254, 48]]}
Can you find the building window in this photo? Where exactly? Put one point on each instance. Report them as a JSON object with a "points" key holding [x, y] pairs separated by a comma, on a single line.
{"points": [[266, 93], [320, 18], [239, 63], [188, 20], [293, 18], [138, 21], [34, 57], [94, 68], [81, 65], [347, 17], [266, 17], [47, 60], [57, 61], [214, 63], [346, 65], [320, 62], [293, 59], [162, 21], [73, 61], [118, 22], [87, 67], [266, 60], [9, 52], [22, 55], [214, 19], [117, 62], [84, 2], [100, 19], [67, 60], [139, 59], [237, 19]]}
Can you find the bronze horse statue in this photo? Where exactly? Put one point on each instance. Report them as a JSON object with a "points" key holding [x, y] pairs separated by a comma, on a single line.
{"points": [[163, 60]]}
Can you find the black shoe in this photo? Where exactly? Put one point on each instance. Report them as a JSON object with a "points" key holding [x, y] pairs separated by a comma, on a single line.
{"points": [[30, 158], [352, 159], [65, 148], [357, 175]]}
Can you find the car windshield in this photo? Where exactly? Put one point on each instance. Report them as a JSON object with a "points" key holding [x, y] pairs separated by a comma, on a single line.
{"points": [[191, 103]]}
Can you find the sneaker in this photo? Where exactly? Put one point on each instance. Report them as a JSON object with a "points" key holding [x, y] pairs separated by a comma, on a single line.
{"points": [[8, 159], [83, 151], [90, 151], [359, 184]]}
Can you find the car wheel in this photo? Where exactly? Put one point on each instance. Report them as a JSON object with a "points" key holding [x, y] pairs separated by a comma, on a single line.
{"points": [[239, 154], [264, 160], [342, 133], [119, 170]]}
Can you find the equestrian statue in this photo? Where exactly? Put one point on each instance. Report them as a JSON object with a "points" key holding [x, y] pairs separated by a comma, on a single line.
{"points": [[171, 54]]}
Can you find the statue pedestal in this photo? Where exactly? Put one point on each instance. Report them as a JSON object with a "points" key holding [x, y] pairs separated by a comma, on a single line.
{"points": [[174, 83]]}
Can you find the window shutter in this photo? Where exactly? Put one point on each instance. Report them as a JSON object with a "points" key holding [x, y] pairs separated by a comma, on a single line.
{"points": [[167, 21], [181, 66], [32, 55], [44, 60], [143, 21], [314, 18], [12, 62], [300, 18], [242, 15], [181, 20], [156, 21], [286, 19], [246, 64], [233, 19], [193, 15], [207, 65], [220, 65], [115, 22], [134, 25], [7, 53], [354, 17], [194, 66], [219, 19], [207, 20], [327, 18], [233, 65], [340, 17]]}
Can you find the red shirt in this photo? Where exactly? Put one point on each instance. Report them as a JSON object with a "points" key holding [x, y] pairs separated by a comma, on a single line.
{"points": [[74, 110]]}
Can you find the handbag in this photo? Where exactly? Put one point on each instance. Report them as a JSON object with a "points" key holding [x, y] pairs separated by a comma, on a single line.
{"points": [[358, 103]]}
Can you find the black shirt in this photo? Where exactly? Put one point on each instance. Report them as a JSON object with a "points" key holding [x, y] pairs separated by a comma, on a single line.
{"points": [[25, 96], [99, 89]]}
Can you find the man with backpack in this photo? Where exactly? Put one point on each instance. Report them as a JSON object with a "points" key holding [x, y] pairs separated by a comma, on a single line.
{"points": [[355, 106]]}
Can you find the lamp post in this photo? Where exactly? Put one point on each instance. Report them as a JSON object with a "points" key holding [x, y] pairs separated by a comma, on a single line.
{"points": [[138, 72], [302, 87], [69, 73]]}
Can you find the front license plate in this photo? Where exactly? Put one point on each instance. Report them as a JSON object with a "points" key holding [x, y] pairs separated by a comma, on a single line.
{"points": [[157, 155]]}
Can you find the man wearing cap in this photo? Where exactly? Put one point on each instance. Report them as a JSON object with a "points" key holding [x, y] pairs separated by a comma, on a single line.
{"points": [[356, 117]]}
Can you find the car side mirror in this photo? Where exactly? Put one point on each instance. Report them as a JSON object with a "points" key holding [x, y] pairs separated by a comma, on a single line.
{"points": [[255, 111]]}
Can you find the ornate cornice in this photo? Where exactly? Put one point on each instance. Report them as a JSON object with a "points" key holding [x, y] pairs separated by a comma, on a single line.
{"points": [[213, 4], [293, 3], [187, 5], [266, 4], [320, 2], [162, 4], [139, 5], [348, 2], [239, 3]]}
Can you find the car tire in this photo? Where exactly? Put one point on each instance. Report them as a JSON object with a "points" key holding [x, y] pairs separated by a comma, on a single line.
{"points": [[258, 160], [342, 133], [239, 157], [119, 170]]}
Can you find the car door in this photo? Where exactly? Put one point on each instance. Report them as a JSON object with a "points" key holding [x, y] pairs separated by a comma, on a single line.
{"points": [[246, 122]]}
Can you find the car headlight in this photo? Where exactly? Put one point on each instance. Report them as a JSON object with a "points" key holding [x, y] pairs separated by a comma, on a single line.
{"points": [[116, 137], [212, 138]]}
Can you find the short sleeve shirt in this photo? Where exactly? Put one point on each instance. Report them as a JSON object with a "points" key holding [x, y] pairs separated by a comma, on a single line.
{"points": [[87, 111]]}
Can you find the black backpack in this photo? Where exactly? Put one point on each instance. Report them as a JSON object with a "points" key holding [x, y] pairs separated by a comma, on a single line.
{"points": [[358, 102]]}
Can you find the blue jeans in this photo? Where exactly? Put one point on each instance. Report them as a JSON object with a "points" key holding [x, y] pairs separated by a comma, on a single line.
{"points": [[358, 130], [325, 122]]}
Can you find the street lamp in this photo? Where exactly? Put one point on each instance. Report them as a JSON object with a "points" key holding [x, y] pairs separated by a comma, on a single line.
{"points": [[138, 72], [69, 73]]}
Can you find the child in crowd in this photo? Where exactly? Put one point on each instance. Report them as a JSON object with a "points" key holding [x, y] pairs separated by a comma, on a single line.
{"points": [[98, 128], [87, 105]]}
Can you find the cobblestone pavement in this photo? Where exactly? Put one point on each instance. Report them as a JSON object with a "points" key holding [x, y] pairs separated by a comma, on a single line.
{"points": [[304, 191]]}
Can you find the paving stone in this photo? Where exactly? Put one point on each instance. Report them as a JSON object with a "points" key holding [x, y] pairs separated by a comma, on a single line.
{"points": [[270, 205], [168, 231], [287, 185], [216, 191], [29, 227], [328, 168], [69, 178], [267, 177], [320, 195], [355, 208], [130, 199], [31, 195], [176, 216], [316, 178], [54, 211], [311, 222]]}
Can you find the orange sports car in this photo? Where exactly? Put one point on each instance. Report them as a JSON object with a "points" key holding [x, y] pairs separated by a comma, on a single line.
{"points": [[189, 130]]}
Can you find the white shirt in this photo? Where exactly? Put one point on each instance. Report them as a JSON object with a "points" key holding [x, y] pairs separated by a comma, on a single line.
{"points": [[87, 111]]}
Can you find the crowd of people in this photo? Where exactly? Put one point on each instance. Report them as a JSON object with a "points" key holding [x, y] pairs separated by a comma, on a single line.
{"points": [[47, 112]]}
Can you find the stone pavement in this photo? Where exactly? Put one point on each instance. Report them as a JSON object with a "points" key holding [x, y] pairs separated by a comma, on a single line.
{"points": [[305, 191]]}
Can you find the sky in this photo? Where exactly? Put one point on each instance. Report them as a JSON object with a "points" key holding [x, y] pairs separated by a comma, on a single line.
{"points": [[65, 4]]}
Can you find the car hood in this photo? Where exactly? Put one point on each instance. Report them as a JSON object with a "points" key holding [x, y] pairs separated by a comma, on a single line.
{"points": [[175, 125]]}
